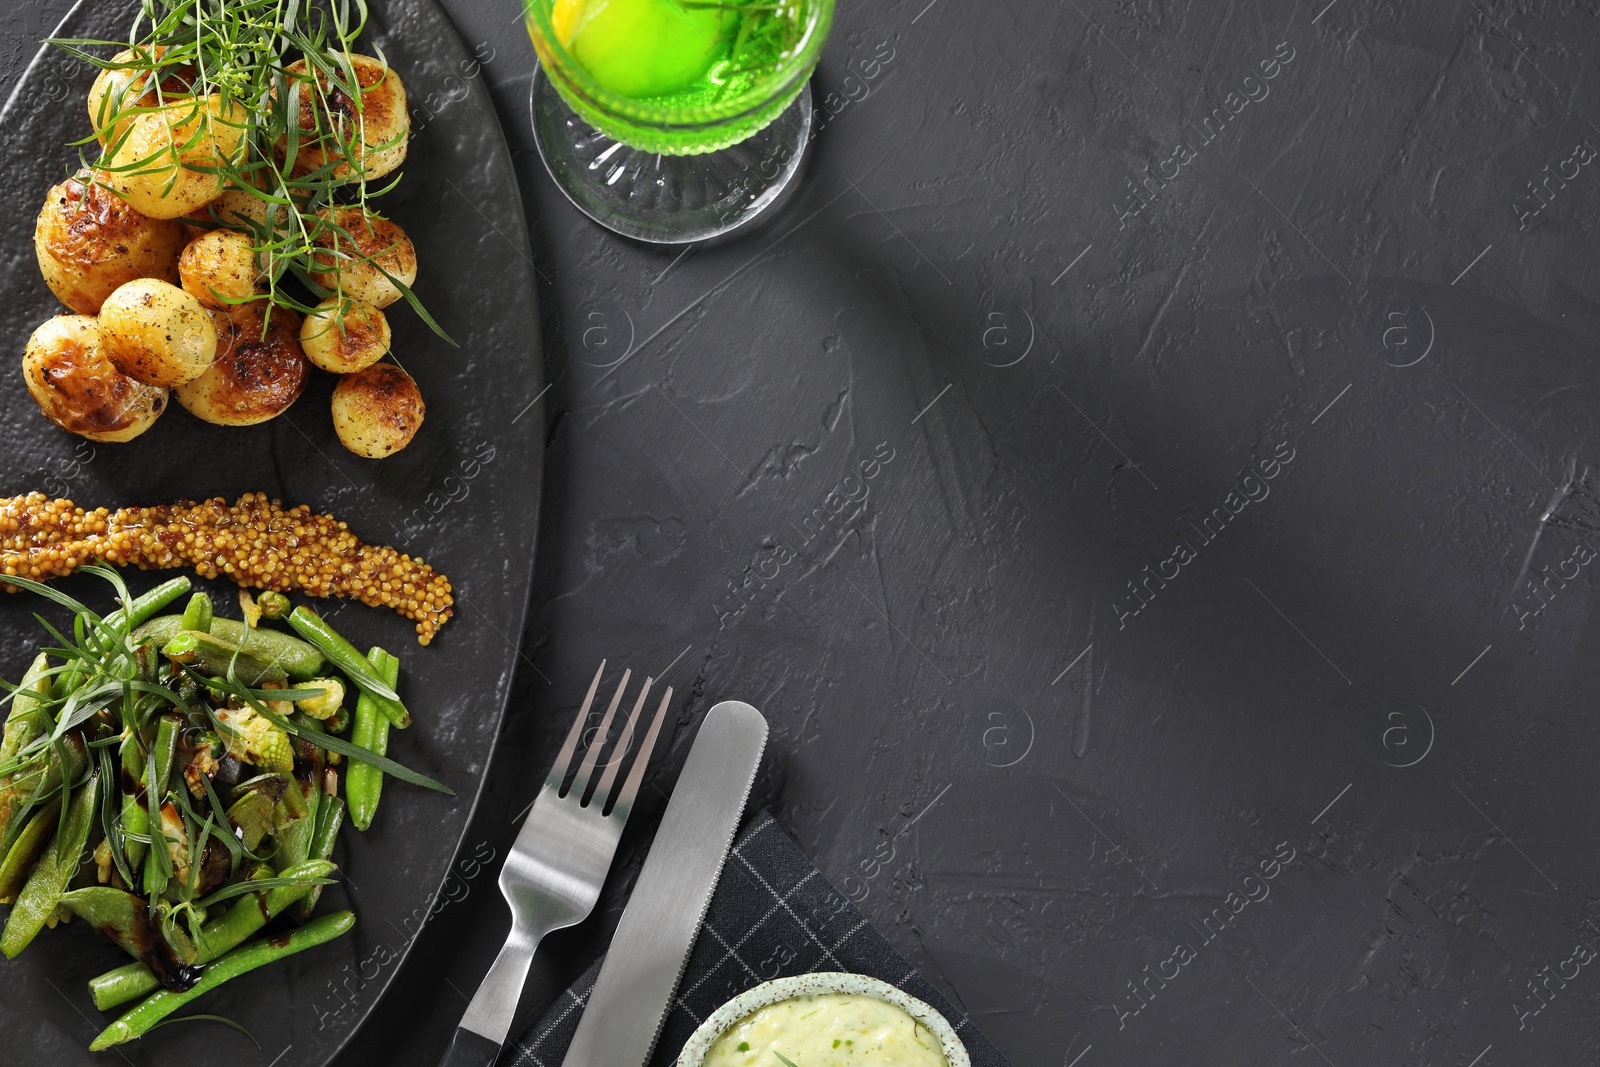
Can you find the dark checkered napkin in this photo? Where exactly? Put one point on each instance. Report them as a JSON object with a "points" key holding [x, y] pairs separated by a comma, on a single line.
{"points": [[772, 915]]}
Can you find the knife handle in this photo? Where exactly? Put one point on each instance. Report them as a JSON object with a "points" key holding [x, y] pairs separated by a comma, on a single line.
{"points": [[470, 1050]]}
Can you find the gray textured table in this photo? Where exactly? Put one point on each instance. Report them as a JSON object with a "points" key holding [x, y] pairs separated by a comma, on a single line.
{"points": [[1145, 478]]}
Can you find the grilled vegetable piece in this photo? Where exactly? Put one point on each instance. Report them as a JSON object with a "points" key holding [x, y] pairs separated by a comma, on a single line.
{"points": [[324, 706], [256, 741]]}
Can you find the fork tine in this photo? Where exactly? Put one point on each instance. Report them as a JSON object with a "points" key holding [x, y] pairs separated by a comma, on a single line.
{"points": [[581, 782], [630, 787], [564, 758], [620, 753]]}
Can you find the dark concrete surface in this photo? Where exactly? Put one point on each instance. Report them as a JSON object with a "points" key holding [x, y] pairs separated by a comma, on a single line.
{"points": [[1203, 672]]}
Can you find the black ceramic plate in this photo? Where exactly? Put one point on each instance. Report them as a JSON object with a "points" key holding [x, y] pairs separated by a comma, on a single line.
{"points": [[464, 496]]}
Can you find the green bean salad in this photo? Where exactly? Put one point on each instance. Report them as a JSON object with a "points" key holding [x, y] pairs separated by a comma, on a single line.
{"points": [[174, 781]]}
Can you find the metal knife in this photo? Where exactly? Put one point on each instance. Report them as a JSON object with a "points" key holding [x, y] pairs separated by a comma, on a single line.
{"points": [[629, 1002]]}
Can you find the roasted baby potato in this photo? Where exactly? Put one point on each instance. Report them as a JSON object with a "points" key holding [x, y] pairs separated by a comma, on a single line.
{"points": [[347, 342], [152, 164], [257, 374], [79, 390], [363, 252], [157, 333], [377, 411], [116, 92], [375, 129], [89, 241], [219, 269]]}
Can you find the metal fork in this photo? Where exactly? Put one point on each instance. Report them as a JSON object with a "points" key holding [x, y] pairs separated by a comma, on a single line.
{"points": [[554, 873]]}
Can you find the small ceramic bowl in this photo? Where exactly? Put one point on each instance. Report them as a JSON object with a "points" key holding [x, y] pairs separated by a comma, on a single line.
{"points": [[751, 1001]]}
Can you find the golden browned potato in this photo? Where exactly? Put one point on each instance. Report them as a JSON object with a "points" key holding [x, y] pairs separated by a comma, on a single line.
{"points": [[79, 390], [348, 342], [151, 164], [89, 241], [376, 129], [117, 91], [257, 374], [362, 253], [377, 411], [157, 333], [219, 267]]}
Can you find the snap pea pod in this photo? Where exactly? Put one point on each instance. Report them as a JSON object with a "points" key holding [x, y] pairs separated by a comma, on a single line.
{"points": [[38, 782], [22, 854], [42, 892], [158, 776], [342, 654], [198, 614], [28, 720], [118, 914], [329, 819], [138, 1020], [215, 656], [299, 659], [28, 716], [227, 931], [363, 784]]}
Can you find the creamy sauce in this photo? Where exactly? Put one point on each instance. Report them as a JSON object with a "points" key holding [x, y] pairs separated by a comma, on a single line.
{"points": [[827, 1030]]}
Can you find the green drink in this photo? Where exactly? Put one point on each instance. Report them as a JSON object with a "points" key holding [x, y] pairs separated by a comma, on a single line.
{"points": [[671, 78]]}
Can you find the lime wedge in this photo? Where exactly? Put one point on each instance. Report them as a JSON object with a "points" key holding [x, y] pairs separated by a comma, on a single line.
{"points": [[642, 47]]}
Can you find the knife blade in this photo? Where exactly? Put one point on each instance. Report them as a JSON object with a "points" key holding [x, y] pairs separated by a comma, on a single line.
{"points": [[628, 1004]]}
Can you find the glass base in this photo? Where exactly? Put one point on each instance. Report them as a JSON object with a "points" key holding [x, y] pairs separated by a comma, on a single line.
{"points": [[667, 199]]}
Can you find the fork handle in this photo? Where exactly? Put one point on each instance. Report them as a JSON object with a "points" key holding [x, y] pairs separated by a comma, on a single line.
{"points": [[470, 1050], [489, 1016]]}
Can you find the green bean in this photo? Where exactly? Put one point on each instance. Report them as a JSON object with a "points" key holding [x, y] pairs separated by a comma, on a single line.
{"points": [[135, 819], [25, 851], [329, 819], [342, 654], [131, 616], [364, 783], [137, 1021], [299, 659], [144, 607], [227, 931], [42, 892], [198, 615], [215, 656]]}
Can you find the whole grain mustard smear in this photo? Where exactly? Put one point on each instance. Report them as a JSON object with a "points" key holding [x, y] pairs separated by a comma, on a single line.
{"points": [[827, 1030]]}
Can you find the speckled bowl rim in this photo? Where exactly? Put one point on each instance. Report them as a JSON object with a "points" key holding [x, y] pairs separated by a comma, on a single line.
{"points": [[753, 1000]]}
